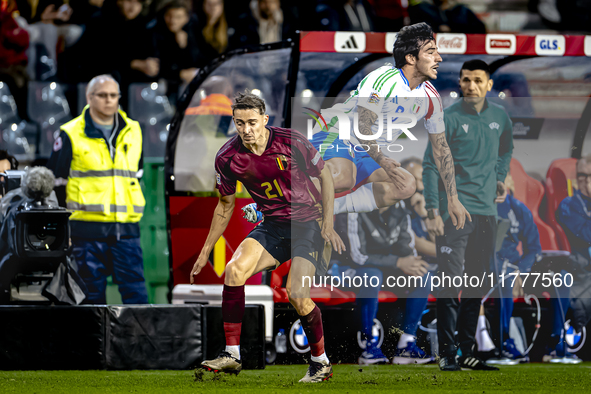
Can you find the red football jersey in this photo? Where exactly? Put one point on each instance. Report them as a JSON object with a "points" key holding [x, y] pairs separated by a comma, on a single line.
{"points": [[278, 180]]}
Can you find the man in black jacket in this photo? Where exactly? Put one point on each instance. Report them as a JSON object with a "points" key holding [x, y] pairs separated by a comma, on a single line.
{"points": [[382, 243]]}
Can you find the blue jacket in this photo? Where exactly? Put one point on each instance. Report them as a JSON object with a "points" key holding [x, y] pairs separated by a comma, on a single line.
{"points": [[522, 229], [574, 214]]}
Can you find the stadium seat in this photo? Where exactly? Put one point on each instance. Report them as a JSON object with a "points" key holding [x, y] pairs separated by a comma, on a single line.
{"points": [[8, 111], [13, 130], [530, 192], [81, 103], [48, 107], [560, 182], [149, 105], [387, 296]]}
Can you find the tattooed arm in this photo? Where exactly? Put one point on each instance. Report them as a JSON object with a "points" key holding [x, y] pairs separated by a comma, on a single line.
{"points": [[221, 218], [366, 119], [445, 164]]}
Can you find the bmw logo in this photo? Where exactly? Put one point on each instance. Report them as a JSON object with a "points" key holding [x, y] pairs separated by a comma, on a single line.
{"points": [[574, 340], [297, 338], [377, 332]]}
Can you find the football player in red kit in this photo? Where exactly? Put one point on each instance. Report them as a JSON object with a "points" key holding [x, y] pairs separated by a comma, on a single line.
{"points": [[275, 165]]}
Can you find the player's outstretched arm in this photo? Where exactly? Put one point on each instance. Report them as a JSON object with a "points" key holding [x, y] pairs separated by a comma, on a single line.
{"points": [[221, 218], [445, 164], [328, 232], [366, 119]]}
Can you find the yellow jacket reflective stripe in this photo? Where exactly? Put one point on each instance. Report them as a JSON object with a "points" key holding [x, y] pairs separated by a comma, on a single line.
{"points": [[101, 188]]}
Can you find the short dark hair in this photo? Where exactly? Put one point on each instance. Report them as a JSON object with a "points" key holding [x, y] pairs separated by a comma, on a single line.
{"points": [[4, 155], [410, 40], [475, 64], [176, 4], [248, 100]]}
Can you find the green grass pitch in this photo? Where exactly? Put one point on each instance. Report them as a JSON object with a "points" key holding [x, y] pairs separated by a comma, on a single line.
{"points": [[532, 378]]}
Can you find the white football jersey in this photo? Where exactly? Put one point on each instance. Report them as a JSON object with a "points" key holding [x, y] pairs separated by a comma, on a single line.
{"points": [[386, 92]]}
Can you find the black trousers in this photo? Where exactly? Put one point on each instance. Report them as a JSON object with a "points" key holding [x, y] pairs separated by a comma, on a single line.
{"points": [[466, 251]]}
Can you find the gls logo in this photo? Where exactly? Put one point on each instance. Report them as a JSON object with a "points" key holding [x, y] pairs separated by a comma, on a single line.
{"points": [[550, 45]]}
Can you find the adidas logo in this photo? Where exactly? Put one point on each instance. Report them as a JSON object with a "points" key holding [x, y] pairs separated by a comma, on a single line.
{"points": [[350, 44], [353, 42], [465, 127]]}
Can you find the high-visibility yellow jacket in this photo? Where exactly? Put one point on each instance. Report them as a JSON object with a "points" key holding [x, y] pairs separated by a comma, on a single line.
{"points": [[102, 183]]}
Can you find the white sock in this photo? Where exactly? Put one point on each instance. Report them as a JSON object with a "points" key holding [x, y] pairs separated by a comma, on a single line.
{"points": [[405, 339], [234, 351], [321, 359], [483, 340], [361, 200]]}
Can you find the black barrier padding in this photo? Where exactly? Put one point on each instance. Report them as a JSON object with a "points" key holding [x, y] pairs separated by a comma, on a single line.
{"points": [[153, 337], [252, 339], [59, 337]]}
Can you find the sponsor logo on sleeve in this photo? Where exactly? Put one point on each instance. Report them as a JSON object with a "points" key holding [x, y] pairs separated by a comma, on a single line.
{"points": [[501, 44], [374, 98], [316, 158], [349, 41], [588, 46], [57, 145], [446, 250], [550, 45], [452, 43]]}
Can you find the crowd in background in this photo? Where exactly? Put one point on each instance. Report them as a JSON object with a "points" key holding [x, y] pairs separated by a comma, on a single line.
{"points": [[70, 41]]}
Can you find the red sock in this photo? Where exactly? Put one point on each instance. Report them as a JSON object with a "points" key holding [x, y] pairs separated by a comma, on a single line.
{"points": [[232, 313], [312, 325]]}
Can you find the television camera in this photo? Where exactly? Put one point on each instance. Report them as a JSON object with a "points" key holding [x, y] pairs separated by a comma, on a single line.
{"points": [[35, 235]]}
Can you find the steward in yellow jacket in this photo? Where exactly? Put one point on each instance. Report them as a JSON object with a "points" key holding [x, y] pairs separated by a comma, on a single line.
{"points": [[100, 164]]}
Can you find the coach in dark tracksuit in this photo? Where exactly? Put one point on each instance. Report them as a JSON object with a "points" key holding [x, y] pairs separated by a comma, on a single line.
{"points": [[480, 137]]}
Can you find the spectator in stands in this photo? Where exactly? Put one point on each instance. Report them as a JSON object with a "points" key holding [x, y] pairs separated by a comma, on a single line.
{"points": [[445, 16], [119, 32], [345, 15], [574, 214], [272, 23], [381, 243], [176, 46], [221, 34], [523, 231], [47, 21], [99, 153], [84, 10], [391, 15], [14, 42]]}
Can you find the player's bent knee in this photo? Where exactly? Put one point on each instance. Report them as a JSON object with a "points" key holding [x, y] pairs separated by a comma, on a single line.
{"points": [[235, 274]]}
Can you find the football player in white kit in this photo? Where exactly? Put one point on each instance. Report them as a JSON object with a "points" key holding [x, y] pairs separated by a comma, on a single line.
{"points": [[389, 99]]}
